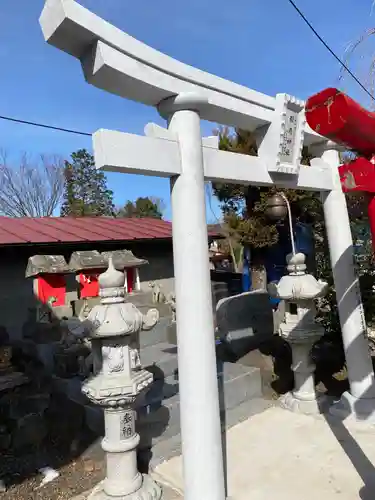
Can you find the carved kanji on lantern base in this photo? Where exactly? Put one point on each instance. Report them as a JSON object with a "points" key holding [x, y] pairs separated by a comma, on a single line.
{"points": [[117, 382], [299, 290]]}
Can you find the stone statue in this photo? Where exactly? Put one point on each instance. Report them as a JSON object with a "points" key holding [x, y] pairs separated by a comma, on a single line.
{"points": [[158, 296], [171, 301]]}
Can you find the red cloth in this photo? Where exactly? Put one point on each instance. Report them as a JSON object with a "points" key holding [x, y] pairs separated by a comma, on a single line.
{"points": [[89, 284], [336, 116], [52, 285]]}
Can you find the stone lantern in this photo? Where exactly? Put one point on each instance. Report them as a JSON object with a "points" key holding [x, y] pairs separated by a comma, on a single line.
{"points": [[118, 380], [299, 329]]}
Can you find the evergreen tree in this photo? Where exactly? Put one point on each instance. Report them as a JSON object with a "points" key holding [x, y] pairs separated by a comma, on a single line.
{"points": [[86, 192], [142, 207], [243, 207]]}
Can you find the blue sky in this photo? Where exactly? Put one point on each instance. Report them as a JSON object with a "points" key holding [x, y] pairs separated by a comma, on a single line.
{"points": [[262, 44]]}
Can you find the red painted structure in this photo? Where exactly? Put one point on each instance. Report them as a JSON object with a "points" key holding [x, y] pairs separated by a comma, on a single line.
{"points": [[130, 279], [336, 116], [51, 285], [89, 283]]}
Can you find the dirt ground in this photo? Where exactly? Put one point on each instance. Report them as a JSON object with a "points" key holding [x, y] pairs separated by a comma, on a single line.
{"points": [[75, 478]]}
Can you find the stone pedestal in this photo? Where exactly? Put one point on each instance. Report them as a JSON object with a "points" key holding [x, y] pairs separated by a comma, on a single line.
{"points": [[303, 398], [117, 382], [123, 481]]}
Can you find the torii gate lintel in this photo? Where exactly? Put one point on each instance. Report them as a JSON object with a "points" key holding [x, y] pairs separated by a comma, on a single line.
{"points": [[128, 153]]}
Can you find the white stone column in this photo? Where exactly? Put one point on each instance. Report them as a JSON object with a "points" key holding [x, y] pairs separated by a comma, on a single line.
{"points": [[199, 397], [360, 402]]}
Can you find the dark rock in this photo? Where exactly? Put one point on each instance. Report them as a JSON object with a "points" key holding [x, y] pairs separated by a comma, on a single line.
{"points": [[4, 336], [5, 438], [30, 430]]}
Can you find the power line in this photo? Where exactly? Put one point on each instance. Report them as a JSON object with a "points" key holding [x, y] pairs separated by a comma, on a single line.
{"points": [[43, 125], [321, 39]]}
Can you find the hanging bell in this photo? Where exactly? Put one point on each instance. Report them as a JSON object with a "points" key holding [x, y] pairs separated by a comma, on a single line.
{"points": [[276, 208]]}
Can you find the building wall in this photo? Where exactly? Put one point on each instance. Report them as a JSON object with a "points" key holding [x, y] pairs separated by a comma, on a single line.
{"points": [[16, 291]]}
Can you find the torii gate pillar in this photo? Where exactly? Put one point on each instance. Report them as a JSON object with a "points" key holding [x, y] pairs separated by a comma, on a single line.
{"points": [[339, 118], [360, 401], [199, 399]]}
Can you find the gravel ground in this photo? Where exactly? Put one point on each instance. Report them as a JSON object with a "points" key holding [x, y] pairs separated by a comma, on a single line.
{"points": [[76, 477]]}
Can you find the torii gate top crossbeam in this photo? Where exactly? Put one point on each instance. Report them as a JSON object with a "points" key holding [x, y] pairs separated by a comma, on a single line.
{"points": [[116, 62]]}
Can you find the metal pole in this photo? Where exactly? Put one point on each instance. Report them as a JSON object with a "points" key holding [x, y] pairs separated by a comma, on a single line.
{"points": [[290, 222]]}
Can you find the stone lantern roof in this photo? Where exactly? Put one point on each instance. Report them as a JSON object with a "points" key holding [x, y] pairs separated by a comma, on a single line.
{"points": [[87, 259], [46, 264], [298, 285]]}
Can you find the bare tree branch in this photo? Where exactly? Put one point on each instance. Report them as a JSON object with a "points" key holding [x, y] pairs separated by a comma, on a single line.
{"points": [[32, 188]]}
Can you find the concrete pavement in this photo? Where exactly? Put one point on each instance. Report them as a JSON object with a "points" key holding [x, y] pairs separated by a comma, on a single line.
{"points": [[283, 455]]}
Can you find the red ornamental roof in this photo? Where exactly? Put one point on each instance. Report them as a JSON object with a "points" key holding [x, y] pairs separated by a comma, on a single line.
{"points": [[55, 230]]}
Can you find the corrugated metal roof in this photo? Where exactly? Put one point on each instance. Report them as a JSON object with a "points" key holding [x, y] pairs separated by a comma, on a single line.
{"points": [[27, 230]]}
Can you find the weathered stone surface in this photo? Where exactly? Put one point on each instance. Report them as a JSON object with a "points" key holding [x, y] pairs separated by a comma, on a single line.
{"points": [[26, 418], [87, 259], [51, 264], [160, 359], [123, 259], [84, 305], [10, 380], [245, 320]]}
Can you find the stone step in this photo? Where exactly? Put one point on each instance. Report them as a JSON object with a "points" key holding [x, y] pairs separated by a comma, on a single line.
{"points": [[166, 449], [159, 410], [160, 359], [157, 335], [246, 381], [159, 417]]}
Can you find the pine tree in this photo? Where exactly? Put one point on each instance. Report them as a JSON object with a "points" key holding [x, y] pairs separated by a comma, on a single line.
{"points": [[86, 192], [243, 207], [142, 207]]}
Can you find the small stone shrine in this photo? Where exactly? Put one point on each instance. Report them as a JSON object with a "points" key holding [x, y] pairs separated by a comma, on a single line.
{"points": [[49, 283], [299, 329], [87, 265], [118, 381]]}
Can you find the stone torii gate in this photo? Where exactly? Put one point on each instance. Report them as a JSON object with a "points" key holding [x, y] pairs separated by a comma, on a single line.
{"points": [[115, 62]]}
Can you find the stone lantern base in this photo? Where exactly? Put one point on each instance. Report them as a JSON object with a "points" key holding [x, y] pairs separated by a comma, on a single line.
{"points": [[315, 406], [148, 491]]}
